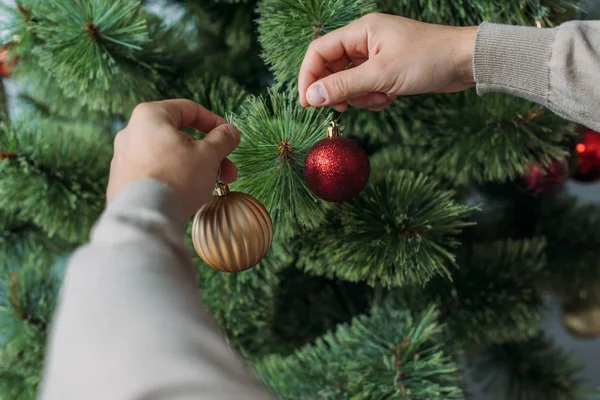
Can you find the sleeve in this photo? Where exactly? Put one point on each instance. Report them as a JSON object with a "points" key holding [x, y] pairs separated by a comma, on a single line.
{"points": [[129, 323], [558, 68]]}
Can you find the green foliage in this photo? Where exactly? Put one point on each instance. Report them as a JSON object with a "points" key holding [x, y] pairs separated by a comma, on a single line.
{"points": [[56, 176], [495, 295], [532, 369], [573, 250], [385, 355], [276, 135], [379, 128], [286, 28], [28, 294], [17, 236], [400, 230], [474, 12], [396, 158], [102, 40], [221, 95], [489, 138]]}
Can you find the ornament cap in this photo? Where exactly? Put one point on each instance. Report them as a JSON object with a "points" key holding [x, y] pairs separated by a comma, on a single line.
{"points": [[333, 130], [222, 189]]}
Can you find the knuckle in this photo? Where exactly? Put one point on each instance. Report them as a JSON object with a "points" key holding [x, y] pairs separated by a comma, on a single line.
{"points": [[371, 18], [142, 109], [338, 86]]}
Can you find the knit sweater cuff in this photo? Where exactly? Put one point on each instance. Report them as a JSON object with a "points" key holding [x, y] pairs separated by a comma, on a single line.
{"points": [[514, 60]]}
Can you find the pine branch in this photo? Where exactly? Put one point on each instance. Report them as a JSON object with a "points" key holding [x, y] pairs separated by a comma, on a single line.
{"points": [[573, 250], [533, 369], [56, 175], [387, 354], [272, 173], [28, 295], [496, 293], [474, 12], [18, 236], [401, 230], [286, 28], [379, 129], [492, 138], [101, 40], [40, 90], [221, 95]]}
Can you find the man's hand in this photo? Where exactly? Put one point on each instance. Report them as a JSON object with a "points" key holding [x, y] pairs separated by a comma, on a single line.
{"points": [[389, 56], [152, 146]]}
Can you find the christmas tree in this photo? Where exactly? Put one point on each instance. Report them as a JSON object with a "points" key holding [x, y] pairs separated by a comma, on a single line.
{"points": [[441, 266]]}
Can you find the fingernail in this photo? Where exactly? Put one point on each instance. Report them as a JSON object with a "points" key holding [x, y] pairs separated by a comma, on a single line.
{"points": [[316, 94], [233, 132]]}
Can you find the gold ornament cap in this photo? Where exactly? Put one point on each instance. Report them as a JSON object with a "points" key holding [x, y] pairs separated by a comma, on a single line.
{"points": [[233, 231], [333, 130]]}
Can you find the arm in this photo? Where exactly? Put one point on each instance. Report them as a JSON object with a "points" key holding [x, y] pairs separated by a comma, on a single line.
{"points": [[129, 323], [558, 68]]}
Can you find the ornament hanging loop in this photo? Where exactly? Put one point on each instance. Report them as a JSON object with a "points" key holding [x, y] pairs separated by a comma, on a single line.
{"points": [[222, 189], [333, 130]]}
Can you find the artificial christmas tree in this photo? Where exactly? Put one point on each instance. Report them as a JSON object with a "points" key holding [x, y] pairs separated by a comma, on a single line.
{"points": [[442, 263]]}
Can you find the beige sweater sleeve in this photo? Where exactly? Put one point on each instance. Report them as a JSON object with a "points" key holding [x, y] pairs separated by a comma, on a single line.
{"points": [[558, 68], [129, 324]]}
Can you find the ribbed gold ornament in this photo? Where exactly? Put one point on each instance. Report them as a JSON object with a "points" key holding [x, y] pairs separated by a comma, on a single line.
{"points": [[581, 318], [233, 231]]}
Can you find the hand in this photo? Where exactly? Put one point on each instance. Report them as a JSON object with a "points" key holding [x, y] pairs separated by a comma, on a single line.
{"points": [[389, 56], [152, 146]]}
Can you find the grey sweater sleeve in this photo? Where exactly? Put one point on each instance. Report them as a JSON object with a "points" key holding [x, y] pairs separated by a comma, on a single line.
{"points": [[129, 324], [558, 68]]}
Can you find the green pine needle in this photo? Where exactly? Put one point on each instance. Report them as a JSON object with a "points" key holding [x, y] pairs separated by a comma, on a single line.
{"points": [[573, 250], [56, 176], [221, 95], [474, 12], [19, 236], [101, 40], [28, 294], [496, 293], [388, 354], [489, 138], [401, 230], [286, 28], [276, 135], [532, 369]]}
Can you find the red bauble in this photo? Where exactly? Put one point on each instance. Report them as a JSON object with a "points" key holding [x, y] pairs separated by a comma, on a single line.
{"points": [[587, 152], [544, 180], [336, 168], [6, 64]]}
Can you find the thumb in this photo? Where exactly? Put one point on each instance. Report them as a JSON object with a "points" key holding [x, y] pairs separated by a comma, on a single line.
{"points": [[220, 142], [341, 86]]}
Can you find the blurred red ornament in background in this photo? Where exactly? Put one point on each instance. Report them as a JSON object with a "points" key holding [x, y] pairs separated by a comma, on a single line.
{"points": [[587, 152], [6, 64], [546, 179]]}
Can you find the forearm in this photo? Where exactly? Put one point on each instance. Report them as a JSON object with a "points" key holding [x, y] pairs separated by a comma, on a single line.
{"points": [[129, 323], [558, 68]]}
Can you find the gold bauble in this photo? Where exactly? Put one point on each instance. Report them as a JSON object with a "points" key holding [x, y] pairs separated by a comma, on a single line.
{"points": [[233, 231], [581, 318]]}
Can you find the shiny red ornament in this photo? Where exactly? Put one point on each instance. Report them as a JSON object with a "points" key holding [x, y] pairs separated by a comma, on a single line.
{"points": [[587, 152], [336, 168], [545, 180]]}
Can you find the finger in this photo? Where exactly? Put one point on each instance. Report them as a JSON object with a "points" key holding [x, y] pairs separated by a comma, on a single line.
{"points": [[344, 85], [228, 171], [340, 107], [180, 113], [369, 100], [344, 41], [340, 64], [219, 143], [379, 108]]}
